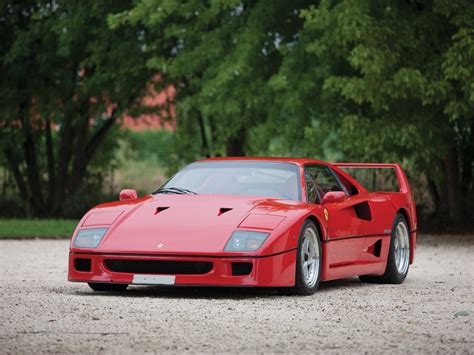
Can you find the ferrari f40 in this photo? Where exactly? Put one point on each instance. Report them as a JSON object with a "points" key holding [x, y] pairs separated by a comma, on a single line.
{"points": [[283, 223]]}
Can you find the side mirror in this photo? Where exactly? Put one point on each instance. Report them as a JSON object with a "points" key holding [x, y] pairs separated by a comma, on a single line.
{"points": [[333, 196], [128, 194]]}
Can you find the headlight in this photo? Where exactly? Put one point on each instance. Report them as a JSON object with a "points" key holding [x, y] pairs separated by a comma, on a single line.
{"points": [[89, 238], [245, 241]]}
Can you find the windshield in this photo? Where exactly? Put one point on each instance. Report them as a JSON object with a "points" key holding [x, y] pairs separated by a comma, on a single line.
{"points": [[244, 178]]}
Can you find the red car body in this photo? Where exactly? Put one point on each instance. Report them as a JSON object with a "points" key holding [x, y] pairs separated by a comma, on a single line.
{"points": [[189, 233]]}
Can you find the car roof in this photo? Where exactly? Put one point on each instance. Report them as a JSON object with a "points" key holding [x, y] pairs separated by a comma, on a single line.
{"points": [[297, 161]]}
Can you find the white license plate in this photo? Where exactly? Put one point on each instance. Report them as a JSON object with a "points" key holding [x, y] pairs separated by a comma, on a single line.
{"points": [[153, 279]]}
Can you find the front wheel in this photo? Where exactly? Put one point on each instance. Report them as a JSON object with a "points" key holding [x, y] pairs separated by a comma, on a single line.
{"points": [[308, 262], [398, 261], [97, 286]]}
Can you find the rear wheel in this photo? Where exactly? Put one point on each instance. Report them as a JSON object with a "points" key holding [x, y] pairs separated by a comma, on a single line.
{"points": [[96, 286], [308, 262], [398, 261]]}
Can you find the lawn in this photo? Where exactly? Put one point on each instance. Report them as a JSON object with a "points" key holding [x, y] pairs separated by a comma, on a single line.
{"points": [[36, 228]]}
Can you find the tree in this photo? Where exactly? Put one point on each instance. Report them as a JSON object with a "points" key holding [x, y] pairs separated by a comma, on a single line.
{"points": [[362, 80], [405, 83], [220, 56], [66, 78], [342, 80]]}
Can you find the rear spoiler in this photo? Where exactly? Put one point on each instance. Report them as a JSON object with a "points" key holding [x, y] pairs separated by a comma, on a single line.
{"points": [[400, 174]]}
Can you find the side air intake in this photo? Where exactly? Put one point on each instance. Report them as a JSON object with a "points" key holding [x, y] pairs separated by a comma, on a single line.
{"points": [[363, 211], [375, 248]]}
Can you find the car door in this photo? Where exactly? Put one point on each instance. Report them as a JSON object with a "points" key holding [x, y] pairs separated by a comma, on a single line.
{"points": [[378, 212], [346, 231]]}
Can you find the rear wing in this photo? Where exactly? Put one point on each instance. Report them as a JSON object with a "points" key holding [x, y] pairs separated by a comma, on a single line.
{"points": [[370, 174]]}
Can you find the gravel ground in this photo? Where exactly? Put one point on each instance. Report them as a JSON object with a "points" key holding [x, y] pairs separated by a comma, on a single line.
{"points": [[431, 312]]}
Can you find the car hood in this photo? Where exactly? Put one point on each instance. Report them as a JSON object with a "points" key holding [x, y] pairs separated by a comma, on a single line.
{"points": [[183, 224]]}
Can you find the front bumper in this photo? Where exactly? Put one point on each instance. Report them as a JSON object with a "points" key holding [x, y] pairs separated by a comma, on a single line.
{"points": [[267, 271]]}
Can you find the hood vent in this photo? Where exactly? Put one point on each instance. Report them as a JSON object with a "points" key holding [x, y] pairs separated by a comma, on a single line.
{"points": [[160, 209], [223, 210]]}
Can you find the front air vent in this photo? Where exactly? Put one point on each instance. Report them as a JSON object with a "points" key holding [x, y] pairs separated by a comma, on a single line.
{"points": [[83, 265], [223, 210], [159, 267], [241, 269]]}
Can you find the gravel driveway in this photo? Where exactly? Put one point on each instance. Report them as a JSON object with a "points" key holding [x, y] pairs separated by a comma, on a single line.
{"points": [[432, 311]]}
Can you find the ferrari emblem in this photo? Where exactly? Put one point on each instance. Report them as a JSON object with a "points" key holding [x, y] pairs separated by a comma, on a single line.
{"points": [[326, 214], [161, 245]]}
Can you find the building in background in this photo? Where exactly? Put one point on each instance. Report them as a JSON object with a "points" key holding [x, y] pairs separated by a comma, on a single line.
{"points": [[163, 102]]}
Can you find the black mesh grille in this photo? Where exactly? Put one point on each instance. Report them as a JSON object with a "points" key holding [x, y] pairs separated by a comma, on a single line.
{"points": [[159, 266]]}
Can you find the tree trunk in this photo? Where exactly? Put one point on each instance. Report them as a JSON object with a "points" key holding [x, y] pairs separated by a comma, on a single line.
{"points": [[466, 179], [453, 186], [79, 153], [51, 163], [467, 163], [32, 171], [17, 175], [213, 138], [66, 137], [205, 142], [89, 151], [433, 189], [235, 145], [4, 183]]}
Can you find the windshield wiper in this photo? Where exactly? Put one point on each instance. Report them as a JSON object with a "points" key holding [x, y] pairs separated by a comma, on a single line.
{"points": [[174, 190]]}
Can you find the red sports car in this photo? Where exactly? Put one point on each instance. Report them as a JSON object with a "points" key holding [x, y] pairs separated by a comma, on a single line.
{"points": [[267, 222]]}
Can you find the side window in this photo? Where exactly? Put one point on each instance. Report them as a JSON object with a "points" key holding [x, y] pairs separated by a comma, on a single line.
{"points": [[350, 189], [323, 180], [311, 189]]}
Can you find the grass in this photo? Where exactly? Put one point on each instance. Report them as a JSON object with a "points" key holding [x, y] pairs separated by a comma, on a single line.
{"points": [[36, 228]]}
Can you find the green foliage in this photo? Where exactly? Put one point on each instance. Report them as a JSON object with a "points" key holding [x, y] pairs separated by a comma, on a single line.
{"points": [[144, 159], [404, 81], [66, 79], [355, 80], [153, 146], [361, 80], [220, 56]]}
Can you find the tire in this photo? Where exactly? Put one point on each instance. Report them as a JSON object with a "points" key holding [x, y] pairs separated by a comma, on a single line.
{"points": [[309, 247], [398, 261], [102, 287]]}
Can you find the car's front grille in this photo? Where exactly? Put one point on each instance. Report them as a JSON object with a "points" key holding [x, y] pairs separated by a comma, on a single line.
{"points": [[167, 267]]}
